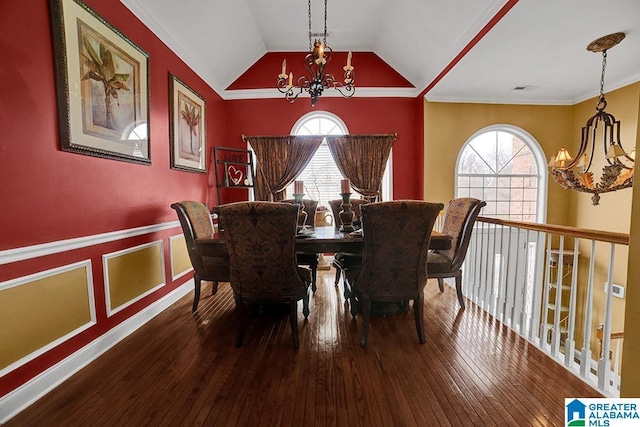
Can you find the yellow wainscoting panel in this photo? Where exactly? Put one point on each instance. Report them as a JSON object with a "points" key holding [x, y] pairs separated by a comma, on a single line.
{"points": [[180, 262], [131, 274], [40, 311]]}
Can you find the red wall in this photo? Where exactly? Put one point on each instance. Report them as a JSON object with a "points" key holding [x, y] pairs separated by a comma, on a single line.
{"points": [[361, 115], [50, 194]]}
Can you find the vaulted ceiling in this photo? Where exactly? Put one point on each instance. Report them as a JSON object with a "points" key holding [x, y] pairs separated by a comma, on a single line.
{"points": [[458, 50]]}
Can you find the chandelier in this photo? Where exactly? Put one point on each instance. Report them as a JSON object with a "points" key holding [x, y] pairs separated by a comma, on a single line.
{"points": [[574, 173], [315, 62]]}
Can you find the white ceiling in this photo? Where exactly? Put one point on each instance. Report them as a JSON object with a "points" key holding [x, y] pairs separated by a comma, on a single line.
{"points": [[539, 44]]}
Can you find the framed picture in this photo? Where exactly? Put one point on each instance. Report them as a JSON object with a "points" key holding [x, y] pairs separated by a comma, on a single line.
{"points": [[186, 127], [102, 82]]}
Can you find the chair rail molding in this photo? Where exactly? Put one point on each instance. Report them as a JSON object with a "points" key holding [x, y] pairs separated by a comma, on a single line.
{"points": [[8, 256]]}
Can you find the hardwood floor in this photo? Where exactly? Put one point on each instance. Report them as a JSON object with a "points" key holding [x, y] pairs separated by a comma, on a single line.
{"points": [[181, 369]]}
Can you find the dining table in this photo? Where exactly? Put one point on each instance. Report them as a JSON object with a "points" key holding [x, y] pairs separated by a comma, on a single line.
{"points": [[326, 239]]}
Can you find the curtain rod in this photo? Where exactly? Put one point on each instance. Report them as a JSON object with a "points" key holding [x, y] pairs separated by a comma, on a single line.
{"points": [[393, 135]]}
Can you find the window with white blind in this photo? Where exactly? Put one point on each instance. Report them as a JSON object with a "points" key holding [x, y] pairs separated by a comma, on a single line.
{"points": [[321, 176]]}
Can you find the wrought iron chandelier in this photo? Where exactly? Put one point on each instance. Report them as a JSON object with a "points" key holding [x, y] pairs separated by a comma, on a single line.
{"points": [[574, 173], [315, 62]]}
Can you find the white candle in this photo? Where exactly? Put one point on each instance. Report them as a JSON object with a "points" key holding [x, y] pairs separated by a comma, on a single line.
{"points": [[290, 79], [345, 186], [349, 59], [298, 187], [284, 67]]}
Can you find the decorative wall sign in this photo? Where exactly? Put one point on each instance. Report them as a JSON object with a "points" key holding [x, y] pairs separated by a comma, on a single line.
{"points": [[187, 128], [102, 86]]}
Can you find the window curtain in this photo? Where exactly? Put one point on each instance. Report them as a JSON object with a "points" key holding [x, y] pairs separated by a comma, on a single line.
{"points": [[279, 160], [362, 159]]}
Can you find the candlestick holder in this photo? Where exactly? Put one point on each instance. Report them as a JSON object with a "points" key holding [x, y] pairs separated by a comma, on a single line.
{"points": [[302, 214], [346, 214]]}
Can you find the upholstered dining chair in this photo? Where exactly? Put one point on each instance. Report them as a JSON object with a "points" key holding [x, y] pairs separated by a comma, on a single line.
{"points": [[195, 220], [261, 243], [343, 260], [394, 259], [458, 223], [310, 259]]}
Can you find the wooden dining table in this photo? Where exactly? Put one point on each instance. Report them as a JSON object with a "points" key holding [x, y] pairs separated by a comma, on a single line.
{"points": [[325, 239]]}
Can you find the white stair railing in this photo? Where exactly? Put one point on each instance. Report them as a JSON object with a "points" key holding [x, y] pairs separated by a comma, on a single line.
{"points": [[528, 276]]}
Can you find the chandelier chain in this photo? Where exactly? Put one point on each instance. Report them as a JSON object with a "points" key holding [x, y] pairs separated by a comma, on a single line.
{"points": [[604, 65], [310, 43], [324, 39]]}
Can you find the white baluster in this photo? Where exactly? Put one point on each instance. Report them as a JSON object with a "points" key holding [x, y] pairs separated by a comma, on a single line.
{"points": [[555, 337], [570, 344], [538, 287], [525, 286], [604, 364], [545, 296], [585, 354], [502, 282]]}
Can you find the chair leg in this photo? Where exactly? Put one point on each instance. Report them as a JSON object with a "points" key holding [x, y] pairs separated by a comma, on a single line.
{"points": [[214, 288], [366, 312], [314, 275], [347, 287], [441, 284], [293, 305], [241, 314], [353, 304], [338, 271], [305, 305], [196, 293], [459, 289], [418, 311]]}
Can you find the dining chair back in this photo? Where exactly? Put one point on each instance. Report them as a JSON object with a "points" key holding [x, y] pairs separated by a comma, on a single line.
{"points": [[195, 221], [261, 243], [459, 219], [396, 243]]}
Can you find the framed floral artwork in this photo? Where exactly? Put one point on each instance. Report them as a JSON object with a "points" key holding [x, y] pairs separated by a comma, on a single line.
{"points": [[186, 127], [102, 83]]}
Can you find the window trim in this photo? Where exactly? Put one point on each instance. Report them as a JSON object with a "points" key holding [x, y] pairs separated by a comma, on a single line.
{"points": [[538, 154]]}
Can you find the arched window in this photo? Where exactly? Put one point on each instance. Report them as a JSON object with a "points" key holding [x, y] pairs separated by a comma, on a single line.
{"points": [[504, 166], [321, 176]]}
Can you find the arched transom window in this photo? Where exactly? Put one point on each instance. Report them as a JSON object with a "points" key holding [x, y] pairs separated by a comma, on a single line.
{"points": [[504, 166]]}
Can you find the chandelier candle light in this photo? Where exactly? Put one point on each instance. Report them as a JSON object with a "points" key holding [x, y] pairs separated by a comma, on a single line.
{"points": [[315, 62], [574, 173]]}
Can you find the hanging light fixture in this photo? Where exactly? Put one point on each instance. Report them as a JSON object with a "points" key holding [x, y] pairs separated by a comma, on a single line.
{"points": [[574, 172], [315, 62]]}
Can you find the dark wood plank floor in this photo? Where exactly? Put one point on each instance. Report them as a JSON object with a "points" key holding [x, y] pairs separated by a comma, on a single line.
{"points": [[181, 369]]}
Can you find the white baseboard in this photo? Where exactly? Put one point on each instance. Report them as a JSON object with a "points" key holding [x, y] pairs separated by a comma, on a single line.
{"points": [[20, 398]]}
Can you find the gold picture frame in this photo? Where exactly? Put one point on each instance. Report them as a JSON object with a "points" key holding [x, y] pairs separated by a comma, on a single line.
{"points": [[102, 82], [187, 128]]}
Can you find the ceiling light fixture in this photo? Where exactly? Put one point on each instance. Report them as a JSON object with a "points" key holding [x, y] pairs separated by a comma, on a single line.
{"points": [[315, 62], [573, 173]]}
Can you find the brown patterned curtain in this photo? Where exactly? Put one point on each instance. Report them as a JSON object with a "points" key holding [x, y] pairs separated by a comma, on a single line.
{"points": [[362, 159], [279, 160]]}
